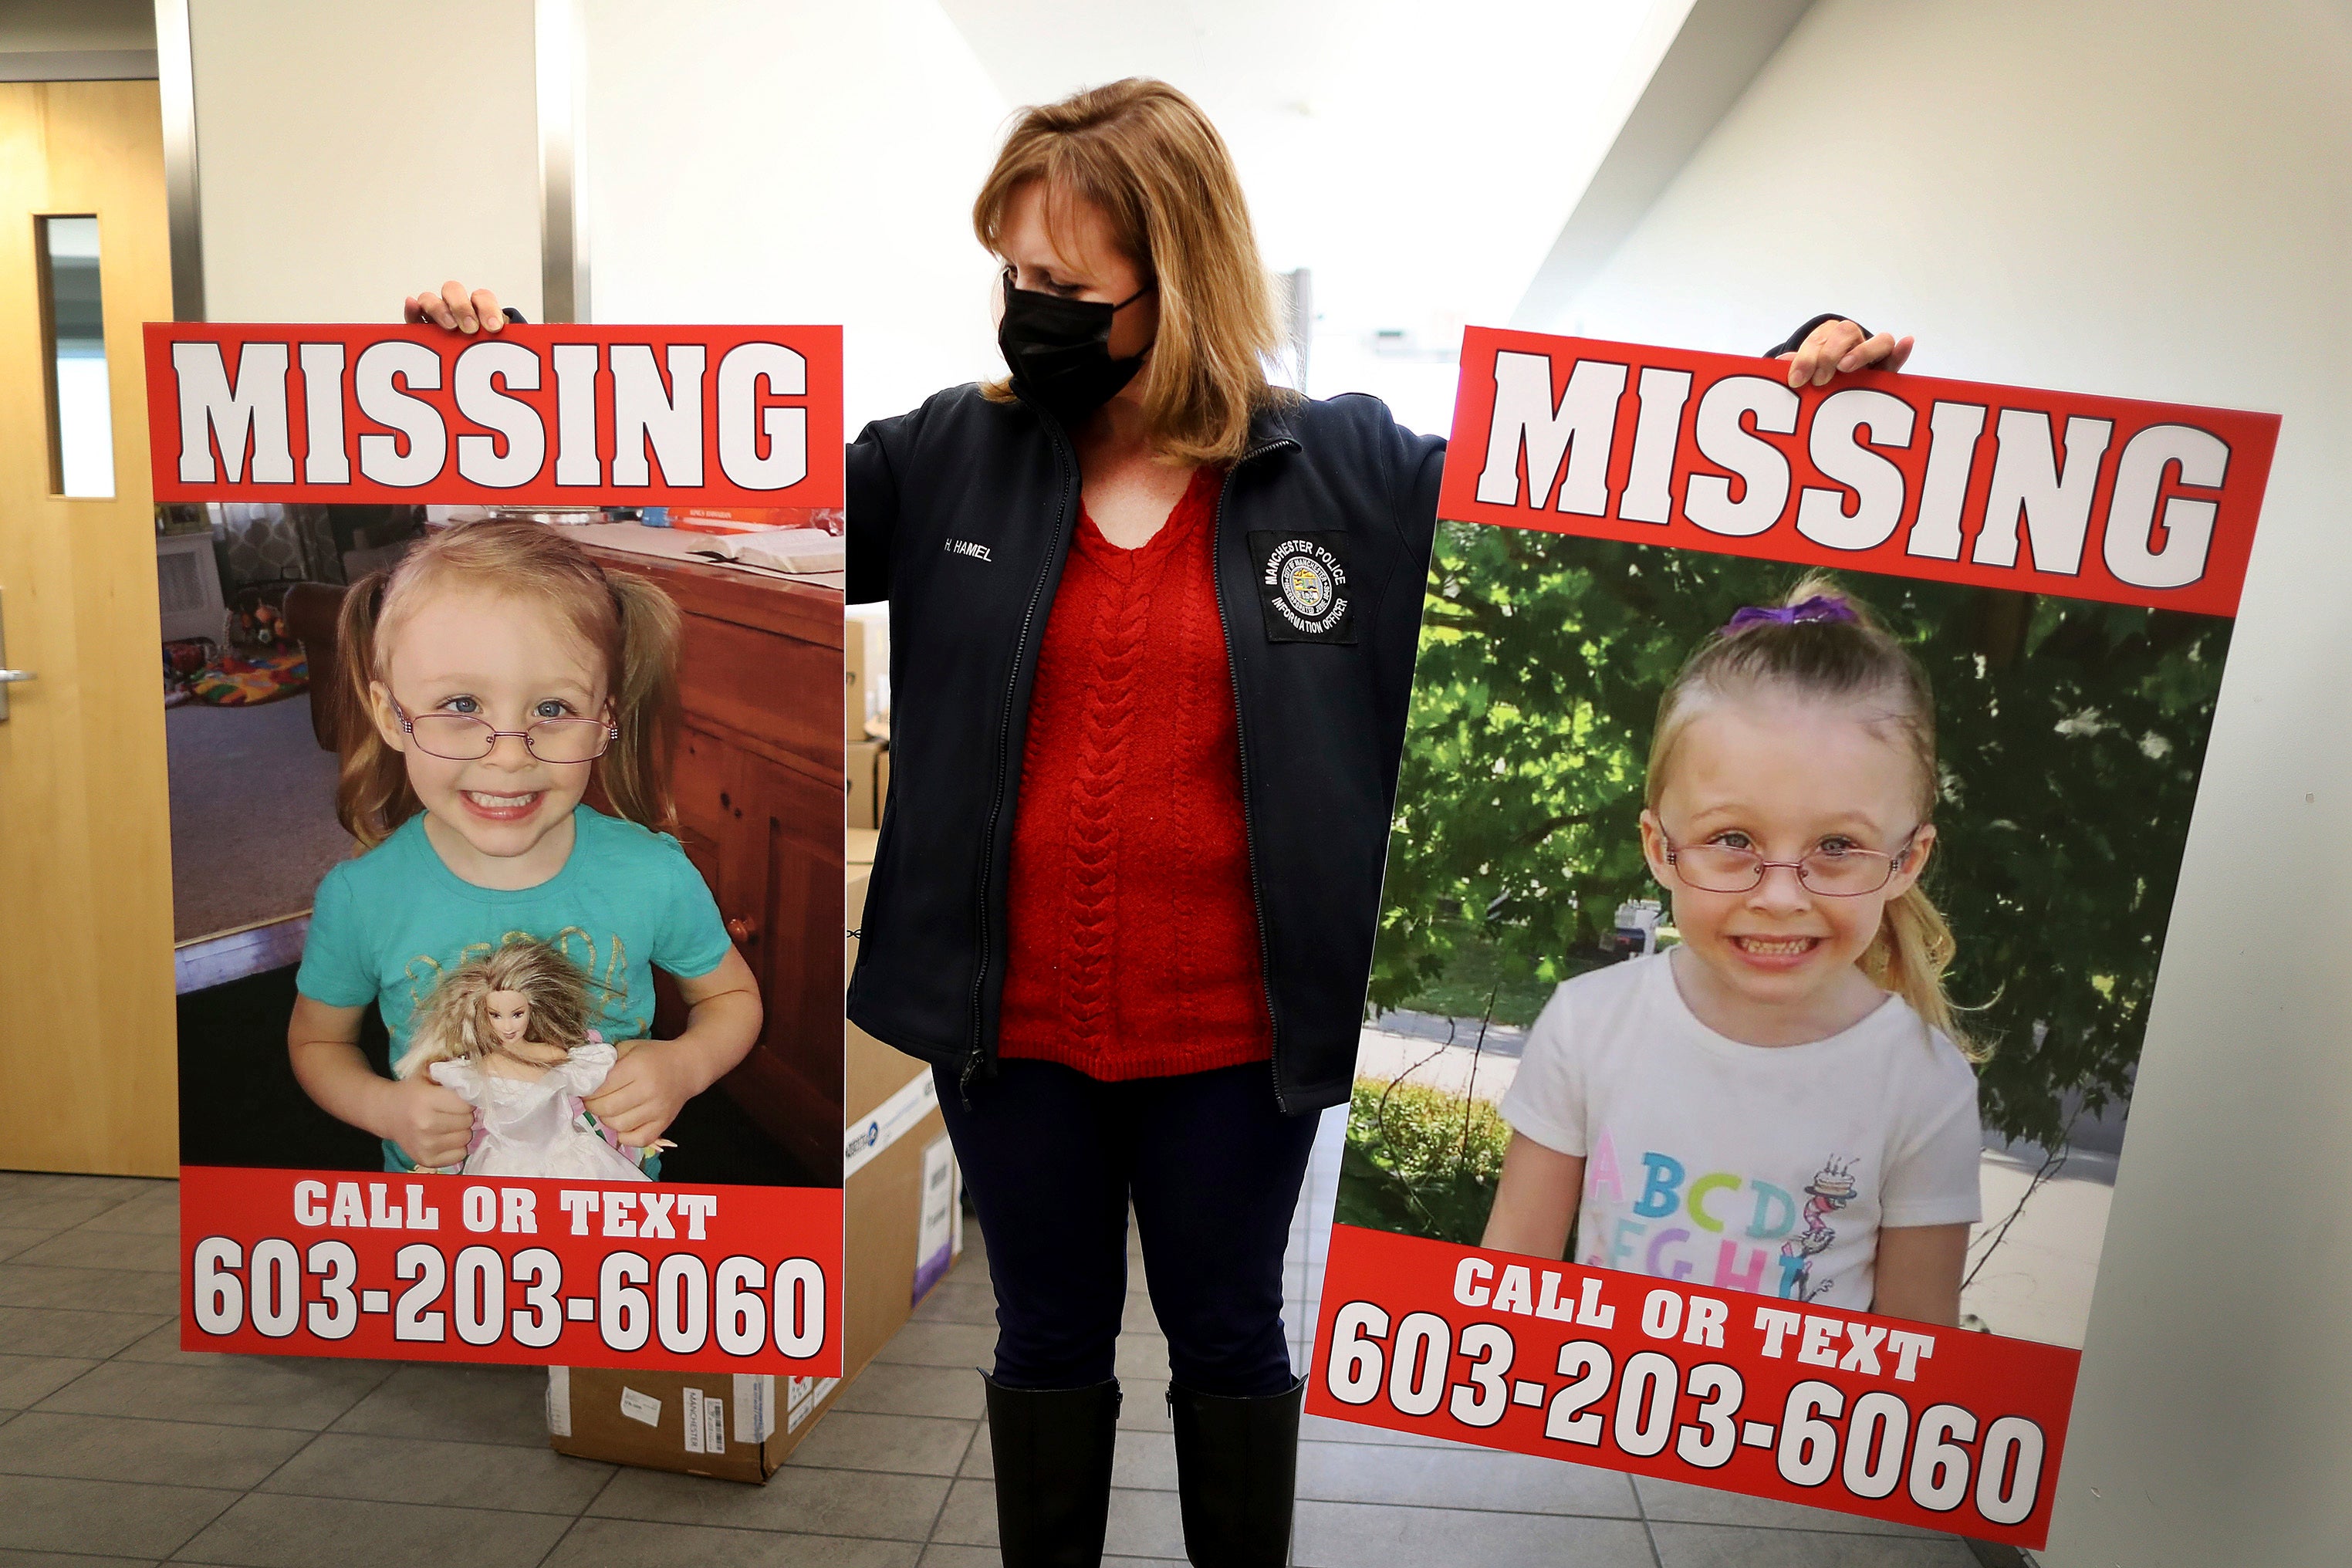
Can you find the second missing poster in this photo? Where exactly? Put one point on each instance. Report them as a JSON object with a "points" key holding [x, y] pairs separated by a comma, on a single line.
{"points": [[1793, 797]]}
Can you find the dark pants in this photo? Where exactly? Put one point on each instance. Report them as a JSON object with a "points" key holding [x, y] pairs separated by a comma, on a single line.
{"points": [[1052, 1158]]}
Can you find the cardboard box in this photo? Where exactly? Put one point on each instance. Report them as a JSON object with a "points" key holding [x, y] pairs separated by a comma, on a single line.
{"points": [[869, 778], [896, 1147], [717, 1423], [903, 1222], [865, 658], [860, 663]]}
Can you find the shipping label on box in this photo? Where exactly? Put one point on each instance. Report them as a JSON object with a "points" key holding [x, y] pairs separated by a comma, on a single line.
{"points": [[890, 1120], [935, 1235], [755, 1407], [705, 1423], [559, 1401], [805, 1394]]}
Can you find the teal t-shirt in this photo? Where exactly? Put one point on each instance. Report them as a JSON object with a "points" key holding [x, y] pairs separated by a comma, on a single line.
{"points": [[385, 927]]}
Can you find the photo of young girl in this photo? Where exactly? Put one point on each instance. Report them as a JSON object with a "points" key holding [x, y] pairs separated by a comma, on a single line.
{"points": [[497, 671], [508, 1035], [1780, 877], [1771, 932], [1784, 1101]]}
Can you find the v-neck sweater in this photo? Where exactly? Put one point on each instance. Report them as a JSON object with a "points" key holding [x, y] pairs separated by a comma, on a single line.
{"points": [[1133, 929]]}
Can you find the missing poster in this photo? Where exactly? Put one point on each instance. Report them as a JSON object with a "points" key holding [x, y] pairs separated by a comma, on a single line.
{"points": [[550, 1069], [1793, 797]]}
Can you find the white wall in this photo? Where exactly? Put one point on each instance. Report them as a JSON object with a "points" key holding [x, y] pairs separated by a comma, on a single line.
{"points": [[791, 161], [351, 155], [2153, 201]]}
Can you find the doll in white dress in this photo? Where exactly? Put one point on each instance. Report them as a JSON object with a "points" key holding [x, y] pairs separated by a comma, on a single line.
{"points": [[509, 1034]]}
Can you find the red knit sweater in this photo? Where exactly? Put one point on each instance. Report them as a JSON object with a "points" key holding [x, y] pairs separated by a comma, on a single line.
{"points": [[1133, 929]]}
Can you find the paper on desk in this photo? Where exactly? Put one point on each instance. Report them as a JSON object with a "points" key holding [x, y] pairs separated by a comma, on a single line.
{"points": [[795, 552]]}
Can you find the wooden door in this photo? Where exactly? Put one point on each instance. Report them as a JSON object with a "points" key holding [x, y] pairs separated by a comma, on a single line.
{"points": [[87, 1033], [783, 871], [758, 783], [762, 832]]}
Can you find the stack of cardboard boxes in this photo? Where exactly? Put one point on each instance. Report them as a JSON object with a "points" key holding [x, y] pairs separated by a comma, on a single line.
{"points": [[902, 1219], [866, 661], [905, 1207]]}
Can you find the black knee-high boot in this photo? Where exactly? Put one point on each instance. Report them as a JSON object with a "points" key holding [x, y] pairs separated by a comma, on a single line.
{"points": [[1236, 1472], [1053, 1448]]}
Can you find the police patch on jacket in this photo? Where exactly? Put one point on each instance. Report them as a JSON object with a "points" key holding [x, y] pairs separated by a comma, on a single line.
{"points": [[1302, 587]]}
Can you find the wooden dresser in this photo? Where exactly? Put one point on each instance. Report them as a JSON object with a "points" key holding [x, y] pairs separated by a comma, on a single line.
{"points": [[759, 787]]}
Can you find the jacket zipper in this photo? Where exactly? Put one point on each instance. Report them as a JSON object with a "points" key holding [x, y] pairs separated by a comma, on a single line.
{"points": [[977, 1054], [1249, 819]]}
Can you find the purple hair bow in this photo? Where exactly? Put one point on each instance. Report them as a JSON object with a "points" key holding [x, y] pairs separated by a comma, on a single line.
{"points": [[1820, 607]]}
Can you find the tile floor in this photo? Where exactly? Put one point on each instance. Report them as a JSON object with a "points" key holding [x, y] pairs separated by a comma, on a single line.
{"points": [[118, 1448]]}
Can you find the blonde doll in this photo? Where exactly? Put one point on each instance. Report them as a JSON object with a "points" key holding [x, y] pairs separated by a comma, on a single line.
{"points": [[508, 1035], [1782, 1103], [493, 675]]}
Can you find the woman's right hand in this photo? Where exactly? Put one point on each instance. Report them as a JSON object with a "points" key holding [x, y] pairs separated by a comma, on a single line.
{"points": [[454, 309], [1831, 349], [431, 1124]]}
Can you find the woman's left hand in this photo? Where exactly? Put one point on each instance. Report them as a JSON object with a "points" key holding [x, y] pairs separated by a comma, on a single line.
{"points": [[643, 1092], [1838, 346]]}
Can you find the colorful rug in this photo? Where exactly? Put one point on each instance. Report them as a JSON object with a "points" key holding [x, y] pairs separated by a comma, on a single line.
{"points": [[231, 681]]}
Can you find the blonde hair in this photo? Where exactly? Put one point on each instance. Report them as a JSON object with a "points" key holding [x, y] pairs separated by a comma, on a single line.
{"points": [[1146, 157], [453, 1024], [1853, 660], [623, 620]]}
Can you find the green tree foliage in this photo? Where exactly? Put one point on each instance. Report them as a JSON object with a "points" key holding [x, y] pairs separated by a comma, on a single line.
{"points": [[2071, 737]]}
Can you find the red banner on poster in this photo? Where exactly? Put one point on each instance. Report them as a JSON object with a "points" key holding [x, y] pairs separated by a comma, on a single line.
{"points": [[1937, 1427], [2092, 497], [533, 415], [440, 1268]]}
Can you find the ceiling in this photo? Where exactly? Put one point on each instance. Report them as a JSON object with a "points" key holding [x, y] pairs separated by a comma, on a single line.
{"points": [[1420, 159]]}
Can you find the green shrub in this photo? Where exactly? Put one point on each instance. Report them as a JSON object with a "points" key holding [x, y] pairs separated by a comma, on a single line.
{"points": [[1420, 1161]]}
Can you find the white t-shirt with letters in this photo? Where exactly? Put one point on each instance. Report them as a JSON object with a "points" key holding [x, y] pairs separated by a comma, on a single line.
{"points": [[1761, 1168]]}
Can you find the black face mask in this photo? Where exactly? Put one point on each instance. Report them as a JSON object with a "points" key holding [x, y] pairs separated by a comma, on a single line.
{"points": [[1059, 350]]}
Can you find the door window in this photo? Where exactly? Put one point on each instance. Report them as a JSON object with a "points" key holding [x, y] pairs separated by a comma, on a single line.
{"points": [[81, 419]]}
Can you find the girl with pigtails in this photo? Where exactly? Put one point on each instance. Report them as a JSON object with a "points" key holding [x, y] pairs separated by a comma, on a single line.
{"points": [[492, 675], [1784, 1103]]}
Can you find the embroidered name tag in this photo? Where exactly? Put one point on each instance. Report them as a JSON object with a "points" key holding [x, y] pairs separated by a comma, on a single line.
{"points": [[1302, 587], [966, 547]]}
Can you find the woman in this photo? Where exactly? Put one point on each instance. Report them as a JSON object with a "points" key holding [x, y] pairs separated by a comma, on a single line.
{"points": [[1152, 625]]}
